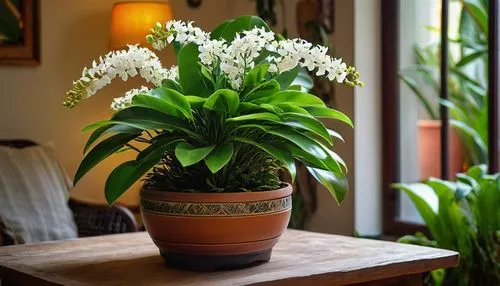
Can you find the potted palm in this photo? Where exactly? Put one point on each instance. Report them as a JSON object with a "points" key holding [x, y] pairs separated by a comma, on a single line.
{"points": [[212, 134]]}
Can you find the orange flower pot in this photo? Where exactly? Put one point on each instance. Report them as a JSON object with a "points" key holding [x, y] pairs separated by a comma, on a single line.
{"points": [[212, 231], [429, 148]]}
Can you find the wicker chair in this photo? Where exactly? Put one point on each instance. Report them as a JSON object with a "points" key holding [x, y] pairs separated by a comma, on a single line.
{"points": [[90, 219]]}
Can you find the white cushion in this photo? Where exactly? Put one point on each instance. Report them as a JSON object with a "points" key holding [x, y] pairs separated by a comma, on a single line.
{"points": [[34, 195]]}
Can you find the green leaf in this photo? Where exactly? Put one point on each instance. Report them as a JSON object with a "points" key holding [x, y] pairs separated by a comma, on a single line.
{"points": [[471, 133], [477, 172], [168, 83], [413, 85], [415, 193], [285, 79], [256, 75], [99, 132], [188, 154], [255, 116], [217, 31], [145, 100], [465, 78], [276, 150], [223, 100], [305, 157], [307, 144], [303, 80], [335, 134], [297, 98], [196, 101], [158, 146], [325, 112], [336, 184], [175, 99], [472, 57], [126, 174], [190, 77], [149, 119], [219, 157], [95, 125], [240, 24], [271, 108], [287, 107], [262, 90], [333, 162], [477, 13], [295, 87], [246, 107], [100, 152], [208, 75], [306, 122]]}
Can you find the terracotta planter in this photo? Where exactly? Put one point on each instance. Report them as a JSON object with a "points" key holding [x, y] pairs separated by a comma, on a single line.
{"points": [[210, 231], [429, 148]]}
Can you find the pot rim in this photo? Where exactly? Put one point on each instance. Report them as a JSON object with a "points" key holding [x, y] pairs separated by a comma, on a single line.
{"points": [[429, 123], [284, 191]]}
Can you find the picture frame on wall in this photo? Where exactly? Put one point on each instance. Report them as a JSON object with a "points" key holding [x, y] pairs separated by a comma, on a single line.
{"points": [[19, 32]]}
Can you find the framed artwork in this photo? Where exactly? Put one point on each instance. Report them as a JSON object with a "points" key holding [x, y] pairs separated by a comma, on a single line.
{"points": [[19, 32]]}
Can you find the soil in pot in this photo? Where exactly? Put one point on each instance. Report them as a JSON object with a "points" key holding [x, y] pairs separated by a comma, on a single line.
{"points": [[215, 231]]}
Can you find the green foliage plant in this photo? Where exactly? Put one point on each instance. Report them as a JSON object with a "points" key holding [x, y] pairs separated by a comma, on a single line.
{"points": [[463, 216]]}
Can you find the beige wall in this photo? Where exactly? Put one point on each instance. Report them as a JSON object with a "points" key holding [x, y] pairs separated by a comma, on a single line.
{"points": [[75, 32], [330, 217]]}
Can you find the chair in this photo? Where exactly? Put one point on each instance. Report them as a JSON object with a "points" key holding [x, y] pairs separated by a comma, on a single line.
{"points": [[90, 219]]}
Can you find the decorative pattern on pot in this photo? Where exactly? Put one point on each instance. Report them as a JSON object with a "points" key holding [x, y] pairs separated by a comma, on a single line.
{"points": [[216, 209]]}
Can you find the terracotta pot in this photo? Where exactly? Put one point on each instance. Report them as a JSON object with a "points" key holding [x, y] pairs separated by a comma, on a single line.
{"points": [[211, 231], [429, 148]]}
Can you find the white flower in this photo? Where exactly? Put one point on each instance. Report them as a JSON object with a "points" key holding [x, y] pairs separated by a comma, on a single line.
{"points": [[234, 59], [237, 57], [180, 32], [123, 64], [120, 103]]}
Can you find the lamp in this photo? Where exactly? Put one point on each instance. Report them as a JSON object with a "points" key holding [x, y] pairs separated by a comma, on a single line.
{"points": [[132, 21]]}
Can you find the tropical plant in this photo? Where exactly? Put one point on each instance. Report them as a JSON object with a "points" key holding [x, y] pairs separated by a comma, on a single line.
{"points": [[225, 120], [466, 83], [461, 216]]}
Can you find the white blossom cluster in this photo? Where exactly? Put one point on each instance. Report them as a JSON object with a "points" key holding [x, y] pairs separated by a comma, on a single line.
{"points": [[125, 101], [184, 33], [238, 57], [123, 64], [300, 52]]}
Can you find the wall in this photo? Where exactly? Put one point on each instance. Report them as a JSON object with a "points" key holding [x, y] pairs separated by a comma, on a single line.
{"points": [[330, 217], [75, 32], [367, 146]]}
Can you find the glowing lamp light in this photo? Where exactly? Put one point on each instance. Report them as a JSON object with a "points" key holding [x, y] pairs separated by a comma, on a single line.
{"points": [[132, 21]]}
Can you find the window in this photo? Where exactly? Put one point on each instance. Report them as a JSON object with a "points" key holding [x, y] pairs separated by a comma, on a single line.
{"points": [[415, 147]]}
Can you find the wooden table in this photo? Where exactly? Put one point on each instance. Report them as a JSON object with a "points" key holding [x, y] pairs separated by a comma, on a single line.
{"points": [[300, 258]]}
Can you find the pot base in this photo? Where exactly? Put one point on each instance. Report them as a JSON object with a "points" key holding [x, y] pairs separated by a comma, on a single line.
{"points": [[214, 262]]}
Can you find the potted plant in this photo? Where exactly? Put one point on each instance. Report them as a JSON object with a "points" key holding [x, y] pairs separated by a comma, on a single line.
{"points": [[467, 103], [212, 134], [461, 216]]}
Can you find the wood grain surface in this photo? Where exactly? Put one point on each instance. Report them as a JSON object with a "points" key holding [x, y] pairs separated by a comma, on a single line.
{"points": [[300, 258]]}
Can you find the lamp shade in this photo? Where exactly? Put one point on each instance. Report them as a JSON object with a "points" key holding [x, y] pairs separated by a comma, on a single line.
{"points": [[132, 21]]}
